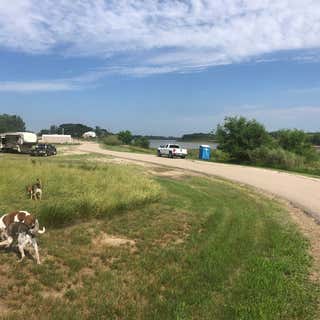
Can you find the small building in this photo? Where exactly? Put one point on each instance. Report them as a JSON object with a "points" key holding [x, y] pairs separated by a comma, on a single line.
{"points": [[56, 138], [89, 134]]}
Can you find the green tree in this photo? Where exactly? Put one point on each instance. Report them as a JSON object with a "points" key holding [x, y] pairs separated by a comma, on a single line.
{"points": [[142, 142], [296, 141], [238, 136], [101, 132], [315, 138], [44, 131], [125, 136], [74, 129], [11, 123], [54, 129]]}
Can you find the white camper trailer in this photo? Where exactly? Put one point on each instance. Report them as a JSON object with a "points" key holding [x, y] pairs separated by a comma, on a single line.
{"points": [[89, 135], [1, 141], [18, 141]]}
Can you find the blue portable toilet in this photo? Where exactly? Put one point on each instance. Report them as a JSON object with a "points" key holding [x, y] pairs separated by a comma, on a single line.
{"points": [[204, 152]]}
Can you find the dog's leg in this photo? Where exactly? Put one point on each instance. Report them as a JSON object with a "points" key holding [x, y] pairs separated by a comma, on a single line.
{"points": [[36, 249], [6, 242], [3, 234], [21, 250], [22, 242]]}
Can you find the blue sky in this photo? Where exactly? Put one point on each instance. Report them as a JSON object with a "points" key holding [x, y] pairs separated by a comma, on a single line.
{"points": [[161, 67]]}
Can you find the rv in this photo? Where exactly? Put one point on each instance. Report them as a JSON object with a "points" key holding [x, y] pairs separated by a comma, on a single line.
{"points": [[1, 141], [21, 142]]}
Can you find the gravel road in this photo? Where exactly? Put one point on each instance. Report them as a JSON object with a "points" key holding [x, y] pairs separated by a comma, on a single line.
{"points": [[302, 191]]}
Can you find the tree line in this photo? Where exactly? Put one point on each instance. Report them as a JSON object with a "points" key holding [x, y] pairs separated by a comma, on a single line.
{"points": [[240, 139], [247, 141]]}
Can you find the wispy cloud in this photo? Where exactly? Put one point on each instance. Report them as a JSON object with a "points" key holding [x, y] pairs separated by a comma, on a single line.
{"points": [[36, 86], [160, 36]]}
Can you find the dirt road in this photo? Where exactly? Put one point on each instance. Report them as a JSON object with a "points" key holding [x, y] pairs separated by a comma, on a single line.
{"points": [[303, 192]]}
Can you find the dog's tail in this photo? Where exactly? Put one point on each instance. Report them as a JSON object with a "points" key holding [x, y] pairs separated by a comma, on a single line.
{"points": [[36, 229], [42, 231]]}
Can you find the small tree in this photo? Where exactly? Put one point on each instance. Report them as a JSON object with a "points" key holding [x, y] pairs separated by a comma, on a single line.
{"points": [[142, 142], [315, 138], [125, 136], [238, 136], [74, 129], [11, 123], [111, 140]]}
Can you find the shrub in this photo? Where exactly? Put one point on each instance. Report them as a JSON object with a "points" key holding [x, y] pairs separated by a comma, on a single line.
{"points": [[111, 140], [276, 157], [142, 142], [238, 136], [220, 156], [125, 136], [296, 141]]}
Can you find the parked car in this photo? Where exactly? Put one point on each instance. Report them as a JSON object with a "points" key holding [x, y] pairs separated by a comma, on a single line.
{"points": [[172, 150], [44, 150]]}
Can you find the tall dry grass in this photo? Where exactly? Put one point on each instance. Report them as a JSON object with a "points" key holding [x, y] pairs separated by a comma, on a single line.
{"points": [[73, 190]]}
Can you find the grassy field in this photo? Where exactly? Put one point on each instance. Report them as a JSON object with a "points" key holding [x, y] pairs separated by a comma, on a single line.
{"points": [[151, 247]]}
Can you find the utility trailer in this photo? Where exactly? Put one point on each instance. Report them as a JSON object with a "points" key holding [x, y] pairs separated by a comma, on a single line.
{"points": [[21, 142]]}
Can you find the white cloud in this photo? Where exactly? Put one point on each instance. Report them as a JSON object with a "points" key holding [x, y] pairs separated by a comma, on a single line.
{"points": [[36, 86], [154, 35]]}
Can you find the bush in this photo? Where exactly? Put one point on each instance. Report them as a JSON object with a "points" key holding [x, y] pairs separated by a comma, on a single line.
{"points": [[125, 136], [111, 140], [296, 141], [276, 157], [220, 156], [142, 142], [238, 136]]}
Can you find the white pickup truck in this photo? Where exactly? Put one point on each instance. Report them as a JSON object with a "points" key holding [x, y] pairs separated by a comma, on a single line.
{"points": [[172, 150]]}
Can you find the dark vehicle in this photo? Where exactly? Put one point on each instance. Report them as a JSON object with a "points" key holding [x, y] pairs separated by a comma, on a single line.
{"points": [[44, 150]]}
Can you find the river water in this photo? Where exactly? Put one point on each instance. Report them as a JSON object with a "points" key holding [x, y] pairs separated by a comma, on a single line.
{"points": [[188, 145]]}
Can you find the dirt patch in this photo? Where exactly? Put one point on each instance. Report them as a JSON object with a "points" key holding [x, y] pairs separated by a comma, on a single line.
{"points": [[174, 238], [121, 161], [53, 294], [4, 310], [112, 241], [173, 173], [72, 152]]}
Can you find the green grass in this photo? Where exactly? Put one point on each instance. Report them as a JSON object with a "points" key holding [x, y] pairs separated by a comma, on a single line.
{"points": [[73, 190], [205, 250]]}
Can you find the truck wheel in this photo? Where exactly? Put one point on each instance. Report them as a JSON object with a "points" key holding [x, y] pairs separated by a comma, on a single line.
{"points": [[159, 153]]}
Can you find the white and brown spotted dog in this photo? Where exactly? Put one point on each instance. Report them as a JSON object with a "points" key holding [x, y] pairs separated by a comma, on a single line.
{"points": [[24, 218], [35, 191], [21, 233]]}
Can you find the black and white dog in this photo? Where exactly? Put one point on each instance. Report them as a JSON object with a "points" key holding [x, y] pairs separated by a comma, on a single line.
{"points": [[24, 236]]}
